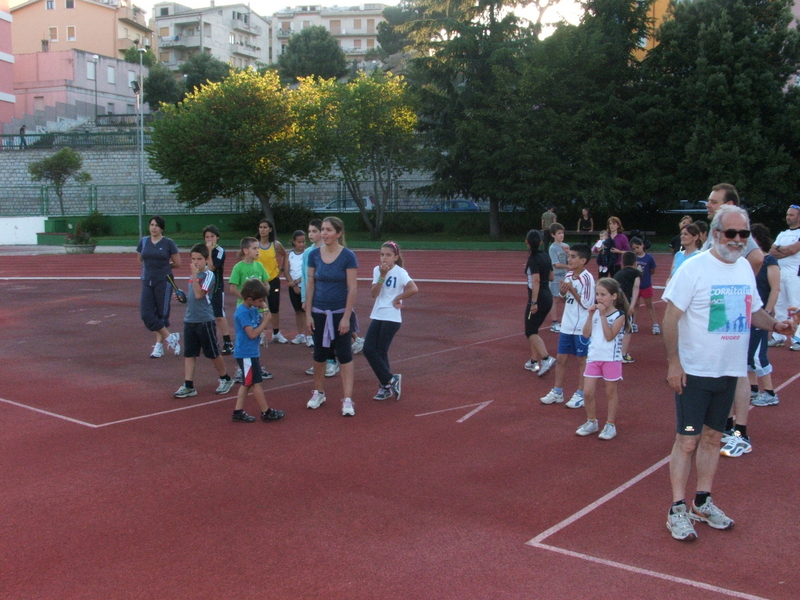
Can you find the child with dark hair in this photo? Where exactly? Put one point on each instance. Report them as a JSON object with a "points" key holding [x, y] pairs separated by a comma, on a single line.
{"points": [[294, 278], [249, 326], [558, 257], [647, 265], [629, 279], [199, 332], [211, 236], [539, 273]]}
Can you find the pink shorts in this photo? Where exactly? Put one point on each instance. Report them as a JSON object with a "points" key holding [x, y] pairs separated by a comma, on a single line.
{"points": [[609, 370], [646, 292]]}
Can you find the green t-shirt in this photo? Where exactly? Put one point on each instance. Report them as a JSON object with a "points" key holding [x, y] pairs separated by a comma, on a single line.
{"points": [[243, 271]]}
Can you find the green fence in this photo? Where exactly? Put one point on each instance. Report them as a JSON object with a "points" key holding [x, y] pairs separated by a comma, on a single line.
{"points": [[115, 139]]}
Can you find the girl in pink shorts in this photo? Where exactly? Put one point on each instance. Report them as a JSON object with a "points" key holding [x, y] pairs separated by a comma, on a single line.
{"points": [[606, 328]]}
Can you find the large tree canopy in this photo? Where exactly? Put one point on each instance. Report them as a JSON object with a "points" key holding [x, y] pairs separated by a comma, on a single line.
{"points": [[202, 68], [312, 51], [238, 135], [161, 87]]}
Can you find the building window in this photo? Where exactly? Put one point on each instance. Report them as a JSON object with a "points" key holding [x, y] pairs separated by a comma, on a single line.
{"points": [[163, 12], [370, 26], [370, 43], [131, 77], [110, 108], [70, 33], [306, 24], [38, 103], [231, 39], [356, 23], [336, 27], [163, 57], [357, 44], [112, 75], [131, 108], [163, 31], [50, 4], [70, 3], [91, 74], [54, 34]]}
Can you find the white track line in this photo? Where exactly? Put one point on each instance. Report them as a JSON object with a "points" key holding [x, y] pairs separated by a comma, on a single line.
{"points": [[48, 413], [480, 406]]}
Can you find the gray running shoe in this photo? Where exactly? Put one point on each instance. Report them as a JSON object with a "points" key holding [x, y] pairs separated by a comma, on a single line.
{"points": [[711, 514], [184, 392], [765, 399], [680, 525], [532, 365], [224, 386], [588, 428], [397, 385], [547, 364], [384, 393]]}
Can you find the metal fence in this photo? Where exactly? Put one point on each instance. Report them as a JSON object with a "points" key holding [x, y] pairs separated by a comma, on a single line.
{"points": [[112, 139]]}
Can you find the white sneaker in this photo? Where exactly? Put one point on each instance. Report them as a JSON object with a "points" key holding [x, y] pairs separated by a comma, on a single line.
{"points": [[184, 392], [532, 365], [279, 339], [576, 401], [555, 327], [546, 365], [262, 340], [609, 432], [224, 386], [310, 341], [316, 400], [173, 340], [158, 351], [588, 428], [348, 410], [310, 371], [358, 345], [237, 377], [634, 328], [299, 339], [331, 368], [656, 329], [552, 397]]}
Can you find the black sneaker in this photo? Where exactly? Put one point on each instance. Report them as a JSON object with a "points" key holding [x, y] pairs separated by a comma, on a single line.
{"points": [[266, 374], [243, 417], [272, 415], [227, 348]]}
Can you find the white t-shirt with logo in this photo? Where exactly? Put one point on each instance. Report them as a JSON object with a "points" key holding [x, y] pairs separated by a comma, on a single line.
{"points": [[717, 300], [394, 284], [790, 264], [600, 349], [575, 314]]}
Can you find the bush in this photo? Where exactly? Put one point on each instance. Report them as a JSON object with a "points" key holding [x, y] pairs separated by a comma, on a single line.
{"points": [[96, 224], [409, 223], [288, 218], [247, 220]]}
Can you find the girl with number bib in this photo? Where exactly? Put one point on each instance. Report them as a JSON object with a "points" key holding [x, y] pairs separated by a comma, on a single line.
{"points": [[391, 285], [606, 328]]}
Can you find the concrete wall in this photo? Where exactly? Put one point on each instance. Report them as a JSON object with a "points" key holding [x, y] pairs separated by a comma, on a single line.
{"points": [[20, 230]]}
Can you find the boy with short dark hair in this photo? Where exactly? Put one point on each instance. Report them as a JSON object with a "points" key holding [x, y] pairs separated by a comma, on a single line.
{"points": [[558, 257], [578, 289], [629, 278], [250, 323], [199, 332], [647, 265], [217, 266]]}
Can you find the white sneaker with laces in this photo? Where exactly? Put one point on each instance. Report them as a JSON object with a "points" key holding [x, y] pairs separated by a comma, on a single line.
{"points": [[224, 386], [555, 327], [184, 392], [299, 339], [711, 514], [680, 525], [173, 340], [317, 399], [552, 397], [764, 399], [331, 368], [158, 351], [348, 410], [576, 401], [358, 345], [588, 428], [532, 365], [634, 328], [310, 341], [547, 364], [310, 371], [609, 432], [279, 339]]}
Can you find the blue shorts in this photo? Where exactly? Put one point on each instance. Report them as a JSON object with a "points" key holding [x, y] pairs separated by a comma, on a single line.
{"points": [[577, 345]]}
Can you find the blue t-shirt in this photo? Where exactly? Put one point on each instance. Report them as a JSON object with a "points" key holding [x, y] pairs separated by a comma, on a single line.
{"points": [[156, 257], [645, 264], [330, 281], [762, 279], [244, 347]]}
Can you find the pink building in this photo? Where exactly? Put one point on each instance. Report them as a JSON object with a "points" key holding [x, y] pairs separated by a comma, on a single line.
{"points": [[6, 65]]}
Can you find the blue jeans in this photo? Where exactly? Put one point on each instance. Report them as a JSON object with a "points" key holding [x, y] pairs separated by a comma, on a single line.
{"points": [[376, 348]]}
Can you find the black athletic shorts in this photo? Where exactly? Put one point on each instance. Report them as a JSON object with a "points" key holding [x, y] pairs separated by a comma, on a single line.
{"points": [[274, 295], [218, 303], [704, 401], [200, 336]]}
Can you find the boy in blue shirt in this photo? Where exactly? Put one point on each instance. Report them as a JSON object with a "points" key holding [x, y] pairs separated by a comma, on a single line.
{"points": [[647, 265], [199, 332], [249, 325]]}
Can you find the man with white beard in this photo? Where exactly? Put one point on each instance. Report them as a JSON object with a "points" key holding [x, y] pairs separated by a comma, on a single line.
{"points": [[711, 302]]}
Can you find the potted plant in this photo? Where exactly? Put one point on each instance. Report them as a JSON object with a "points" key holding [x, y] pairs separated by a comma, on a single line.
{"points": [[79, 241]]}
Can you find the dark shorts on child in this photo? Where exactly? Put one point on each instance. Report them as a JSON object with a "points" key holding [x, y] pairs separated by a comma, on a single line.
{"points": [[296, 300], [274, 295], [218, 304], [704, 401], [200, 336], [251, 371]]}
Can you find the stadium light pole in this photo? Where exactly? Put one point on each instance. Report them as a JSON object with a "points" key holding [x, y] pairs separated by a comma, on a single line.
{"points": [[95, 58], [141, 141]]}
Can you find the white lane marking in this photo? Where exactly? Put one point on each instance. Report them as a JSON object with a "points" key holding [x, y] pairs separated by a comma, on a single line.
{"points": [[479, 405], [48, 413]]}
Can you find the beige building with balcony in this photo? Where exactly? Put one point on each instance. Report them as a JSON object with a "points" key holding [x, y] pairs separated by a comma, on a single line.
{"points": [[355, 28], [232, 33], [104, 27]]}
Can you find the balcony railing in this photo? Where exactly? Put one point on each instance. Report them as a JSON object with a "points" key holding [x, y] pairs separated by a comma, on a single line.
{"points": [[37, 141], [240, 25], [284, 33]]}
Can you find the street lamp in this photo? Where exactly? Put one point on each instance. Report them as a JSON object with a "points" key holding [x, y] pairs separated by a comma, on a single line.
{"points": [[95, 58], [140, 98]]}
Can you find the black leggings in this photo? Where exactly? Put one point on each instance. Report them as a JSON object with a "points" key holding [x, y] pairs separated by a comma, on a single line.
{"points": [[376, 347]]}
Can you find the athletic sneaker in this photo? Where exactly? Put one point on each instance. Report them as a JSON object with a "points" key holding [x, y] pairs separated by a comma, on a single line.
{"points": [[173, 340], [736, 445], [634, 328], [227, 348], [310, 371], [711, 514], [553, 397], [272, 415], [237, 377], [656, 329], [158, 351], [576, 401], [299, 339], [310, 341], [184, 392], [224, 387], [547, 364], [243, 417], [348, 410], [279, 339], [773, 343], [680, 525], [316, 400], [727, 435], [266, 374], [532, 365], [765, 399], [555, 327], [795, 347], [384, 393], [262, 340], [609, 432], [396, 384], [331, 368], [627, 359], [588, 428], [358, 345]]}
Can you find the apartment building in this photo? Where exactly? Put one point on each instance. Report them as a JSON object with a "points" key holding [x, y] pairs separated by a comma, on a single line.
{"points": [[7, 98], [354, 27], [232, 33], [103, 27]]}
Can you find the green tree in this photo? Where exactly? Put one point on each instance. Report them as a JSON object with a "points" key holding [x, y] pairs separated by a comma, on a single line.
{"points": [[312, 51], [149, 58], [392, 36], [718, 104], [362, 130], [161, 87], [59, 168], [238, 135], [202, 68]]}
